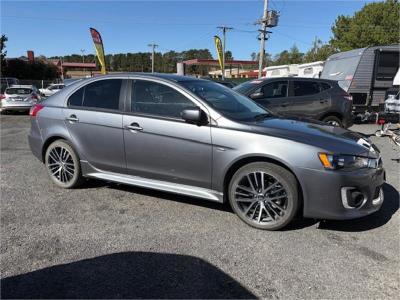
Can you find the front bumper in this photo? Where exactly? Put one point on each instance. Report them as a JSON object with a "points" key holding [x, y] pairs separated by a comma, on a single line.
{"points": [[324, 197]]}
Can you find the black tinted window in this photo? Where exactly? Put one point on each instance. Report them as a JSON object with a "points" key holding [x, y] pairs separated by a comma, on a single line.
{"points": [[324, 86], [103, 94], [76, 98], [388, 65], [158, 99], [275, 89], [304, 88]]}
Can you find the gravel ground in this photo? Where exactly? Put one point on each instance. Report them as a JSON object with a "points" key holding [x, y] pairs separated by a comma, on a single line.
{"points": [[113, 241]]}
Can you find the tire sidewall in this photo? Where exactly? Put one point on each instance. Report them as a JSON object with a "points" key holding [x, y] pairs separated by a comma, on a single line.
{"points": [[77, 175], [283, 176]]}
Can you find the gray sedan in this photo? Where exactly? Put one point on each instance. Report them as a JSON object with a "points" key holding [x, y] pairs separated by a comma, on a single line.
{"points": [[201, 139]]}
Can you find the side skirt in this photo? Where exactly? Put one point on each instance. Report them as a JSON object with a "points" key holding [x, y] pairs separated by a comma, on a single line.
{"points": [[89, 171]]}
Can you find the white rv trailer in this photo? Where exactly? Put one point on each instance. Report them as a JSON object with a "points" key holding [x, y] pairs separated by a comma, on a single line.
{"points": [[311, 70], [367, 74], [281, 71]]}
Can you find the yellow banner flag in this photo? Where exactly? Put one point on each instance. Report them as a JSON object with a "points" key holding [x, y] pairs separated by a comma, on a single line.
{"points": [[218, 45], [98, 45]]}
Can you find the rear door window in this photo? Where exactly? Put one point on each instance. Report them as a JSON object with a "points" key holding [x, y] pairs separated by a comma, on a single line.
{"points": [[305, 88], [276, 89], [103, 94]]}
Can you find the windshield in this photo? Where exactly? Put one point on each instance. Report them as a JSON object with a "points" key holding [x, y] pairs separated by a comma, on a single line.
{"points": [[18, 91], [246, 86], [341, 70], [225, 100]]}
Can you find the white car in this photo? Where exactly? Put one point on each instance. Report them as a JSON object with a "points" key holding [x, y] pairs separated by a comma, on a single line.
{"points": [[51, 89]]}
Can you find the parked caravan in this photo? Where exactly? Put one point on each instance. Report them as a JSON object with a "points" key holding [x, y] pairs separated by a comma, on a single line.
{"points": [[365, 73], [281, 71], [311, 70]]}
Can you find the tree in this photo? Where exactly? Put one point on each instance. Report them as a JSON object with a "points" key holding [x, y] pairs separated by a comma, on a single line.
{"points": [[319, 51], [267, 58], [375, 24], [26, 70], [228, 55], [3, 53]]}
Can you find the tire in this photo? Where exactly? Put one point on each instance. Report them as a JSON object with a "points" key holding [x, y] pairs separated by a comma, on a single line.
{"points": [[62, 164], [378, 133], [333, 120], [272, 208]]}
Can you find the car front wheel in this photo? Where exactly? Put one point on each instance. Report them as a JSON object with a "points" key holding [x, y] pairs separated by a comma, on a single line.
{"points": [[63, 165], [264, 195]]}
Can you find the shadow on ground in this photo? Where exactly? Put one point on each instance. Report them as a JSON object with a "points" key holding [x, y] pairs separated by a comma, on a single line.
{"points": [[92, 183], [127, 275], [380, 218], [389, 207]]}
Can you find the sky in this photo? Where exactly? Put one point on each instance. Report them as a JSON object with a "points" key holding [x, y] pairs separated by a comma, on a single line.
{"points": [[54, 28]]}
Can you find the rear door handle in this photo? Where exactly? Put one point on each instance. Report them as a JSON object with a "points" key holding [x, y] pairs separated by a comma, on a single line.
{"points": [[134, 127], [72, 119]]}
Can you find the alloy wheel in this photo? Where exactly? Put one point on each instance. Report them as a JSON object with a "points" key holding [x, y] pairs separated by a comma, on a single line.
{"points": [[261, 198], [333, 123], [61, 164]]}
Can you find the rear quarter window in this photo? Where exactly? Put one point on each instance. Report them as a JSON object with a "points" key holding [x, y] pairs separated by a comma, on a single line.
{"points": [[76, 98], [325, 86]]}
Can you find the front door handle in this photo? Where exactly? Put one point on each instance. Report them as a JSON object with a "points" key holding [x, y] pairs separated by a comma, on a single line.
{"points": [[134, 127], [72, 119]]}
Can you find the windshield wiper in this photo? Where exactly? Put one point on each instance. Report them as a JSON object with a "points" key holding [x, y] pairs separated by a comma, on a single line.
{"points": [[262, 116]]}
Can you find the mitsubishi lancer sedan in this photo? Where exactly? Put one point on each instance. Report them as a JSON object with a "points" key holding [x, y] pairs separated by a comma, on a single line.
{"points": [[201, 139]]}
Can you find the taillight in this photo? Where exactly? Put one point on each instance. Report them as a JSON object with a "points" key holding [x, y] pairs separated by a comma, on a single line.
{"points": [[35, 109], [381, 121], [2, 97], [348, 97], [34, 96]]}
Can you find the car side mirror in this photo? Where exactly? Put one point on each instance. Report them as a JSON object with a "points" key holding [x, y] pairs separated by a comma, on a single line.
{"points": [[194, 115], [257, 95]]}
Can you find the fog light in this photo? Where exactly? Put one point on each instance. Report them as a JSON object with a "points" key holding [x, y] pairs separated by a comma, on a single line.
{"points": [[352, 198]]}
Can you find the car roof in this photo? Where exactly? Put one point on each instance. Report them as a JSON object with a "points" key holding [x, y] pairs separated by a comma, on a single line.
{"points": [[295, 78], [168, 77]]}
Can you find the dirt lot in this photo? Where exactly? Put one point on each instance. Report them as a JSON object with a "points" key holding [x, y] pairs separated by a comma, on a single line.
{"points": [[113, 241]]}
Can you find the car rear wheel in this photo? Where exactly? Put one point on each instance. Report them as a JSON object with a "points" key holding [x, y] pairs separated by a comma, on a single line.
{"points": [[333, 120], [63, 165], [264, 195]]}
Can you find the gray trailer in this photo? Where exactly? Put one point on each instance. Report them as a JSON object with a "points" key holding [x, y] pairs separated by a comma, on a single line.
{"points": [[365, 73]]}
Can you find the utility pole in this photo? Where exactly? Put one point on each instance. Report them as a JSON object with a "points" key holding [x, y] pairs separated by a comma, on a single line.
{"points": [[269, 19], [224, 30], [153, 47], [263, 34], [83, 60]]}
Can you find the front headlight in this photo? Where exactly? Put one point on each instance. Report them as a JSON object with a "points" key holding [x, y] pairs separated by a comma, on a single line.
{"points": [[346, 162]]}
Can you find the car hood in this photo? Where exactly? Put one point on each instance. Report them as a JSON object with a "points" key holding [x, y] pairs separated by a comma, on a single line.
{"points": [[330, 138]]}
